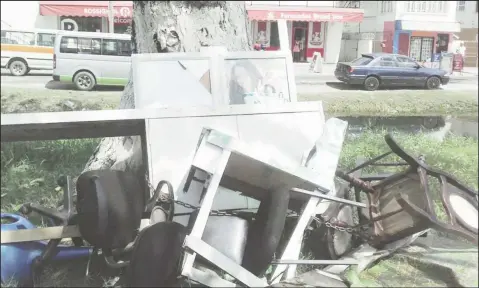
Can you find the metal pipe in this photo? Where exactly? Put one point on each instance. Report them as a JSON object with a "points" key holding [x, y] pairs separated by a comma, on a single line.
{"points": [[316, 262], [328, 197], [111, 25]]}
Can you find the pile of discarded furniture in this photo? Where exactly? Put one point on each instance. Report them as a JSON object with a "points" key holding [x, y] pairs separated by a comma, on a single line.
{"points": [[226, 180]]}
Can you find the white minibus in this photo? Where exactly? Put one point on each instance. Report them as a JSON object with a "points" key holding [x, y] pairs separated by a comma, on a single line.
{"points": [[87, 59], [25, 50]]}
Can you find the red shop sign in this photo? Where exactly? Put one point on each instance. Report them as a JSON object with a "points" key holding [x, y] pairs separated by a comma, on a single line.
{"points": [[264, 15]]}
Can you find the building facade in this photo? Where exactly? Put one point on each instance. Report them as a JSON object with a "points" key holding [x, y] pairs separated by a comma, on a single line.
{"points": [[85, 16], [313, 26], [466, 15], [418, 29]]}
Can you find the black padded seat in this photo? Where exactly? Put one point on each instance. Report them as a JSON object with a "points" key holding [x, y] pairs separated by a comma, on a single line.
{"points": [[110, 205]]}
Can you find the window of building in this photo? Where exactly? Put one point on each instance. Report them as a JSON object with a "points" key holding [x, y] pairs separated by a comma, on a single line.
{"points": [[20, 38], [45, 39], [274, 35], [85, 24], [109, 47], [421, 48], [386, 6], [425, 6], [461, 5]]}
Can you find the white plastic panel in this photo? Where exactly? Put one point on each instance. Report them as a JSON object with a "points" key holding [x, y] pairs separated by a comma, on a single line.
{"points": [[172, 83]]}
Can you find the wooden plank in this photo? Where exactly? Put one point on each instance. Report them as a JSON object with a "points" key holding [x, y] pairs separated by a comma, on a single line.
{"points": [[38, 234]]}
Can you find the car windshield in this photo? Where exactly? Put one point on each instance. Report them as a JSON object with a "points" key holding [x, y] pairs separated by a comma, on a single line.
{"points": [[362, 61]]}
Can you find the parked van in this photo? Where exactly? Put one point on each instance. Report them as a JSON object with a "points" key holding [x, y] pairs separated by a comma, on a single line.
{"points": [[87, 59], [25, 50]]}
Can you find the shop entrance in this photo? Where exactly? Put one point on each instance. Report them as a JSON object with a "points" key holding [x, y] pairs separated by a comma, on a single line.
{"points": [[300, 41]]}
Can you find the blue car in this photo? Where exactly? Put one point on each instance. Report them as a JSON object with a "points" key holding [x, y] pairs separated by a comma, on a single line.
{"points": [[389, 70]]}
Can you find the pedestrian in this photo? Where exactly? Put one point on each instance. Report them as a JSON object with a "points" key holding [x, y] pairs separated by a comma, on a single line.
{"points": [[296, 51]]}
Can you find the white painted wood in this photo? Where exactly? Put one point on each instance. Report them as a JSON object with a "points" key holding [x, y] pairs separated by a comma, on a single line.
{"points": [[204, 212], [39, 234]]}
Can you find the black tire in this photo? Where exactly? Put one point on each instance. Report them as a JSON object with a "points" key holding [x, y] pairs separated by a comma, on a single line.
{"points": [[433, 82], [84, 81], [327, 243], [155, 260], [371, 83], [18, 68]]}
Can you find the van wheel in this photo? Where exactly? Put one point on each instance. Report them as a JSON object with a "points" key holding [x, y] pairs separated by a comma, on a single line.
{"points": [[18, 68], [84, 81]]}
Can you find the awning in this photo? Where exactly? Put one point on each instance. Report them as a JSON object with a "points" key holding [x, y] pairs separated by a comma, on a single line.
{"points": [[315, 14], [121, 9]]}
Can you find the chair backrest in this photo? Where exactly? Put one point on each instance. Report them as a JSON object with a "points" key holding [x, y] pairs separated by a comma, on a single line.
{"points": [[110, 205]]}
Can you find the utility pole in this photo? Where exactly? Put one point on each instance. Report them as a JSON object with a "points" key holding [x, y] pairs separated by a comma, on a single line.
{"points": [[111, 15]]}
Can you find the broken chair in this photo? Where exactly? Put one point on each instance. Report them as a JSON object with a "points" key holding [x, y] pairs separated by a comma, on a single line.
{"points": [[402, 204]]}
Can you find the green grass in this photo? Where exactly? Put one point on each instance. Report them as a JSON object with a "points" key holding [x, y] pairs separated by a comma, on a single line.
{"points": [[30, 169], [338, 103], [397, 103]]}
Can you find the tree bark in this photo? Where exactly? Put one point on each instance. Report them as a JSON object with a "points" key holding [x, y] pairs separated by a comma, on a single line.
{"points": [[171, 26]]}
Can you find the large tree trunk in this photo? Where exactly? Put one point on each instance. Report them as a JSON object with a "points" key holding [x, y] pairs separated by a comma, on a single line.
{"points": [[172, 26]]}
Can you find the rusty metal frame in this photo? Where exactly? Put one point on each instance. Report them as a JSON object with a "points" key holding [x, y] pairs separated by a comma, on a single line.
{"points": [[417, 171]]}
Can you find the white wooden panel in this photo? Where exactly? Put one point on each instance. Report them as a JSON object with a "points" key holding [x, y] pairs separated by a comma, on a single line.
{"points": [[171, 158], [287, 134]]}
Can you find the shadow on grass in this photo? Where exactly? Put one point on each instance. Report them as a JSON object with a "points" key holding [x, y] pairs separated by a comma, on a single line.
{"points": [[55, 85], [346, 87]]}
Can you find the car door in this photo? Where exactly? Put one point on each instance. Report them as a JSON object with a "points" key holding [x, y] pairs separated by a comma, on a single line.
{"points": [[410, 73], [386, 68]]}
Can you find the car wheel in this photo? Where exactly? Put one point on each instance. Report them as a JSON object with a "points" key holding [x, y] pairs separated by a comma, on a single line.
{"points": [[371, 83], [84, 81], [433, 83], [18, 68]]}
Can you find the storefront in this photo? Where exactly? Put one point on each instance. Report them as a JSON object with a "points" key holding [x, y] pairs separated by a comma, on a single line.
{"points": [[88, 16], [310, 29], [423, 42]]}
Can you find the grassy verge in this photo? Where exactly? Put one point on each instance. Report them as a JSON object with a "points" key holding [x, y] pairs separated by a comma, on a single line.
{"points": [[17, 100], [338, 103], [397, 103]]}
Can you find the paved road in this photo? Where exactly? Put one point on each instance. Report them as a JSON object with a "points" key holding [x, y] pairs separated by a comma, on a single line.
{"points": [[306, 83]]}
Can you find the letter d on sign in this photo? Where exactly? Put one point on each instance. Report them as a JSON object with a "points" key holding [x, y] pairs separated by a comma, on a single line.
{"points": [[69, 25]]}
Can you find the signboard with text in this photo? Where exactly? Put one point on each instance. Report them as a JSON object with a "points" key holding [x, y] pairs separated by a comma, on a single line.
{"points": [[256, 14]]}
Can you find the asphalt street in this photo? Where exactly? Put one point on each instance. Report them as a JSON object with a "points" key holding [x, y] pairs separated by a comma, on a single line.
{"points": [[306, 82]]}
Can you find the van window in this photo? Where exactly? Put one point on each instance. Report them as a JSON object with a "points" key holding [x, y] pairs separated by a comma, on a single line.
{"points": [[74, 45], [69, 45], [124, 48], [45, 39], [109, 47], [96, 46], [84, 45], [20, 38]]}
